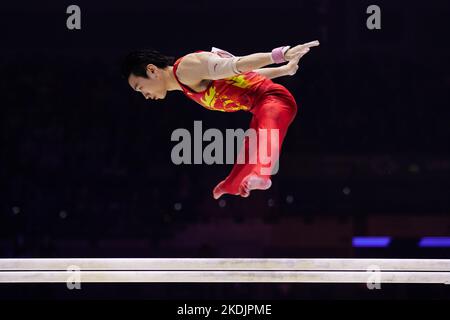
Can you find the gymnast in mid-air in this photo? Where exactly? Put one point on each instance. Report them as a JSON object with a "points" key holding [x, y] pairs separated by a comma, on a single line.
{"points": [[220, 81]]}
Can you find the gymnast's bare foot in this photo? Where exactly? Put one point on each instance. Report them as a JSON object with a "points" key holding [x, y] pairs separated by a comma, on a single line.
{"points": [[254, 182], [218, 191]]}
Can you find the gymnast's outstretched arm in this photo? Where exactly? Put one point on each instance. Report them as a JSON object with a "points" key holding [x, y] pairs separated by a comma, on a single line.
{"points": [[272, 73], [288, 69], [208, 65]]}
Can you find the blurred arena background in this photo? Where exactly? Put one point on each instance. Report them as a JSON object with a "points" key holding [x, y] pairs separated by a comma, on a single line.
{"points": [[85, 161]]}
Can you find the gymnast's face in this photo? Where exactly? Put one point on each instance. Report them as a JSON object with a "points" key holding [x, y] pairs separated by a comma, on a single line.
{"points": [[152, 87]]}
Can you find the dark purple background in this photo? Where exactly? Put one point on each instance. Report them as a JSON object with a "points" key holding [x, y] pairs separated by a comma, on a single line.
{"points": [[373, 117]]}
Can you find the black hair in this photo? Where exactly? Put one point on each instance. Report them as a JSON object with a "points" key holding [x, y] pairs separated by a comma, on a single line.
{"points": [[136, 62]]}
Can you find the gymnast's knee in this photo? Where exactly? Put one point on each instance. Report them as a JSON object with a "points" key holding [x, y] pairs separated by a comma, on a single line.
{"points": [[293, 110]]}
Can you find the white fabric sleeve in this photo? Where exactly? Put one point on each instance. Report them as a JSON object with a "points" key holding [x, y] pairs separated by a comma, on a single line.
{"points": [[220, 68], [222, 53]]}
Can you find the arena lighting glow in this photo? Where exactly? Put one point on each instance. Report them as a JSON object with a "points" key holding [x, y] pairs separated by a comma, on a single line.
{"points": [[371, 242], [435, 242]]}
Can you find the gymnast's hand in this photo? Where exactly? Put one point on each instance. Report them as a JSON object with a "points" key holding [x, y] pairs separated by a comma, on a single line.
{"points": [[294, 52], [292, 66]]}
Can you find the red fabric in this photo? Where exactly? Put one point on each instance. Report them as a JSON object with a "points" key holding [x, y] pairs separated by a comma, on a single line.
{"points": [[230, 94], [272, 106], [276, 109]]}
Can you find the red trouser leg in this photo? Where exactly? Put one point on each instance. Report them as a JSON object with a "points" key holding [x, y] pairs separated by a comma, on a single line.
{"points": [[275, 111]]}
